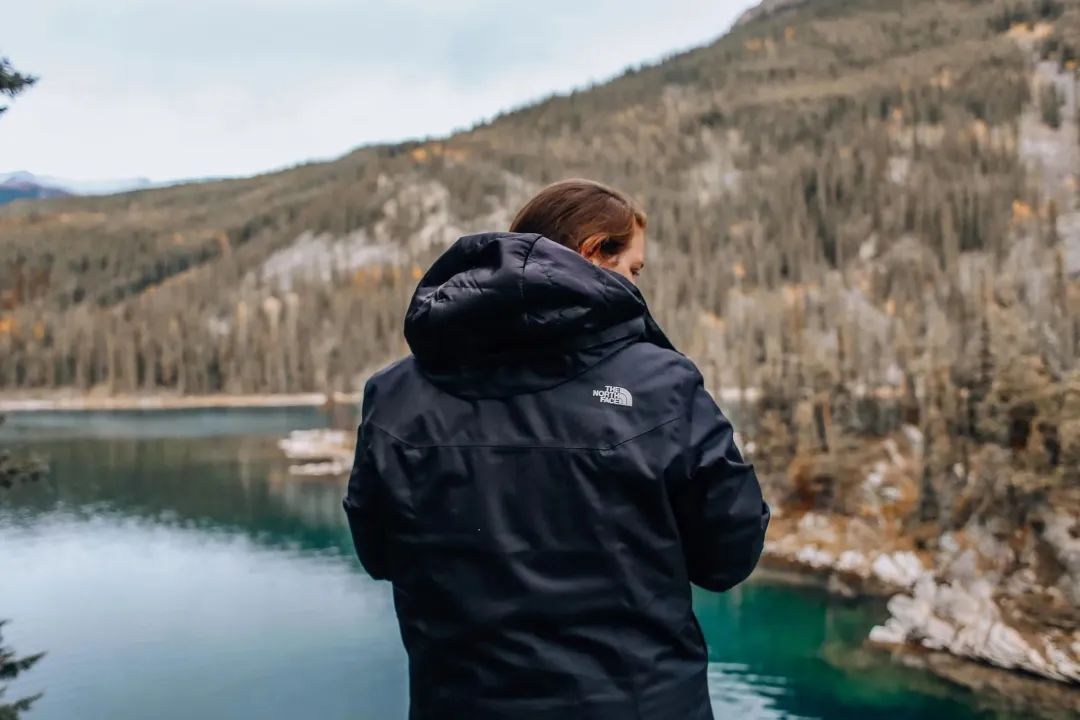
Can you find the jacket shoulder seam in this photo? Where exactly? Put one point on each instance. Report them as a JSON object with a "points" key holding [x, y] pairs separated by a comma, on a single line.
{"points": [[519, 446], [659, 425]]}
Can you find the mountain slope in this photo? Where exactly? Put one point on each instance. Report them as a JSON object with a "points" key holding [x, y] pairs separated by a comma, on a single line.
{"points": [[785, 151]]}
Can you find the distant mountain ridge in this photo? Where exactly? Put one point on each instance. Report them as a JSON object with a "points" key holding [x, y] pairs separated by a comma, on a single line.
{"points": [[18, 186], [22, 184]]}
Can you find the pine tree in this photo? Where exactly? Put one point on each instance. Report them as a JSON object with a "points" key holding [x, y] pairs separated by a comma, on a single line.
{"points": [[12, 82], [10, 668]]}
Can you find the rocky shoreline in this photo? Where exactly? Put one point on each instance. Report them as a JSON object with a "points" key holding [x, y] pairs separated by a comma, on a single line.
{"points": [[1002, 601], [1027, 687], [945, 605]]}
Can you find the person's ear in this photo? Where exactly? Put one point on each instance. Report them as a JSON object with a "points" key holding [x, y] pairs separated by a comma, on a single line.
{"points": [[590, 247]]}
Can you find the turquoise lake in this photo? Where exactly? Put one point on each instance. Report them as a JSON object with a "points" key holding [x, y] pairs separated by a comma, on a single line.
{"points": [[172, 568]]}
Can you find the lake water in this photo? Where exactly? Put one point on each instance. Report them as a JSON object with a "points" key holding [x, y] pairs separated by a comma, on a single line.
{"points": [[172, 568]]}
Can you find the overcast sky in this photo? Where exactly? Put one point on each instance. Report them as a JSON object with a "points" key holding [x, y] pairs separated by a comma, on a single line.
{"points": [[169, 89]]}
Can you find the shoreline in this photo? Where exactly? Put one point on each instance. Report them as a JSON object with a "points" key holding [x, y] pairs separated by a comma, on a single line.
{"points": [[88, 403], [18, 402], [1018, 689]]}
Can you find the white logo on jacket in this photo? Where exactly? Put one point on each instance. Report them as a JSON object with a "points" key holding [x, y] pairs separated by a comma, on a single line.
{"points": [[614, 395]]}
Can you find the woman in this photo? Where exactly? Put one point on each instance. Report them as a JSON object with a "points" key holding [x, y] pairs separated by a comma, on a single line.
{"points": [[543, 478]]}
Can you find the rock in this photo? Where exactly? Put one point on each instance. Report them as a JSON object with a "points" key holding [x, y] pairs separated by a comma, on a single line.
{"points": [[901, 569], [859, 534], [1067, 667], [316, 444], [332, 449], [948, 543], [817, 528], [908, 611], [937, 634], [1022, 581], [1059, 535], [963, 568], [331, 467], [966, 622], [915, 437], [1005, 647], [891, 633], [995, 554], [913, 621], [813, 521], [969, 639], [876, 477], [815, 558], [853, 561], [894, 453]]}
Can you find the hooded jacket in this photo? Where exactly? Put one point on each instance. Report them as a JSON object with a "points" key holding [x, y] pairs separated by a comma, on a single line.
{"points": [[541, 480]]}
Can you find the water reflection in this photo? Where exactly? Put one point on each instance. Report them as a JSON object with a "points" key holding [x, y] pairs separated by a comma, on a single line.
{"points": [[188, 576], [737, 691], [236, 485], [143, 620]]}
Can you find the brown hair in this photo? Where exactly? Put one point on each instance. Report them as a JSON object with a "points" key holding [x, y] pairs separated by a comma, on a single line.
{"points": [[582, 215]]}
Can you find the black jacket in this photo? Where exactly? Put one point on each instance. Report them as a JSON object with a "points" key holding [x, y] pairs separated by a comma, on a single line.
{"points": [[541, 481]]}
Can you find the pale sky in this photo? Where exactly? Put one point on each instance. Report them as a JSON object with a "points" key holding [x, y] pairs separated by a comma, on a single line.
{"points": [[171, 89]]}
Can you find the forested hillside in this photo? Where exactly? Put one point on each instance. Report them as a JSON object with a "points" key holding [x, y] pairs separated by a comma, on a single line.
{"points": [[857, 158], [846, 193]]}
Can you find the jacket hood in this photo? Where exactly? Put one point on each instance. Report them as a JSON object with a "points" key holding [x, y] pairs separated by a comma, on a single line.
{"points": [[505, 313]]}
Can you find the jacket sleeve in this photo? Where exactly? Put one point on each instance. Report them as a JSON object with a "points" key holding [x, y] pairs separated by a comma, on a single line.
{"points": [[718, 505], [363, 502]]}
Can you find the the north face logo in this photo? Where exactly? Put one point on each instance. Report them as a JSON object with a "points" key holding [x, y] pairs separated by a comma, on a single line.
{"points": [[614, 395]]}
